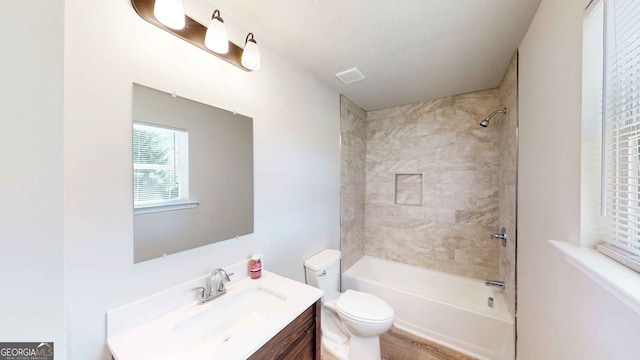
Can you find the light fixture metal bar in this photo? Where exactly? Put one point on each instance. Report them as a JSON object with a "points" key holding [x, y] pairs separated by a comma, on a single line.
{"points": [[193, 33]]}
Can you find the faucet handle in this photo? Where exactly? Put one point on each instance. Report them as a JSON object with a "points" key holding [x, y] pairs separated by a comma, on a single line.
{"points": [[201, 293], [502, 236]]}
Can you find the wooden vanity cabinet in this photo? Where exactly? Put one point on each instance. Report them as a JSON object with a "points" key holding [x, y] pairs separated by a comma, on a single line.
{"points": [[300, 340]]}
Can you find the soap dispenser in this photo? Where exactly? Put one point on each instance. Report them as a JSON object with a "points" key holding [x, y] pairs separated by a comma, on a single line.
{"points": [[255, 267]]}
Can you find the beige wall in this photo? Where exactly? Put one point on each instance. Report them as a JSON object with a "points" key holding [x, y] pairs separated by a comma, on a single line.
{"points": [[508, 94], [352, 181], [562, 314], [460, 168]]}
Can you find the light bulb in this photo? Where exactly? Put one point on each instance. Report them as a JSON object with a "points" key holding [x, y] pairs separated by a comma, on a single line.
{"points": [[251, 54], [216, 37], [170, 13]]}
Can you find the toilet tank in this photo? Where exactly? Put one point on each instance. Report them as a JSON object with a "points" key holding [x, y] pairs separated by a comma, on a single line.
{"points": [[322, 270]]}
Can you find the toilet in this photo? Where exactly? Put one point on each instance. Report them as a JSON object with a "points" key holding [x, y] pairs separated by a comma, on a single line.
{"points": [[353, 321]]}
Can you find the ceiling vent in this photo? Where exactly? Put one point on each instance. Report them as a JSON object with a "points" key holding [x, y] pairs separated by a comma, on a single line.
{"points": [[350, 76]]}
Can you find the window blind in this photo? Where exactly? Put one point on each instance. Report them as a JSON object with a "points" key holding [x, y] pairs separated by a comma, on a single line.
{"points": [[622, 121], [159, 165]]}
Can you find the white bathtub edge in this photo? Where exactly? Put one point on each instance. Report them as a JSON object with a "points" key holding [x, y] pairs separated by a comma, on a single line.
{"points": [[362, 276]]}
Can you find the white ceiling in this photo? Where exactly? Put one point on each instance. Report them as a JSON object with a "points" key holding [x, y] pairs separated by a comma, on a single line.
{"points": [[409, 50]]}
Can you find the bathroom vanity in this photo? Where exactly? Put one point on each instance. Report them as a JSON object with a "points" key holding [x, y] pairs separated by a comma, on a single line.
{"points": [[269, 318], [300, 340]]}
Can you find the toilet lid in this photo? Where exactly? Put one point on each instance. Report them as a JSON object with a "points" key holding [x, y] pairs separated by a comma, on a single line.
{"points": [[363, 306]]}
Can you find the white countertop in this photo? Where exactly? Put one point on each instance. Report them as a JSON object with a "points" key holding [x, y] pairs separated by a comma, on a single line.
{"points": [[150, 335]]}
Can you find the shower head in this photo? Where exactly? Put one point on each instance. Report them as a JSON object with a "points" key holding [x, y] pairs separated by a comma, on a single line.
{"points": [[485, 121]]}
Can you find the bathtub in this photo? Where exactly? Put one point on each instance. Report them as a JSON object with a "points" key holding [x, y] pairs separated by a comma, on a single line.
{"points": [[447, 309]]}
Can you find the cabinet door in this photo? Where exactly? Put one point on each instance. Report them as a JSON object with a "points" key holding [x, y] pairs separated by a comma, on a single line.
{"points": [[303, 349], [303, 327]]}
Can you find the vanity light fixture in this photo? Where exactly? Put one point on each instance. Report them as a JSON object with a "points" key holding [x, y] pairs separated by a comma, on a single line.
{"points": [[170, 13], [156, 13], [251, 53], [216, 37]]}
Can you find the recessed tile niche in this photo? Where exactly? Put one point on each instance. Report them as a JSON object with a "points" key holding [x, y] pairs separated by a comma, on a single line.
{"points": [[409, 189]]}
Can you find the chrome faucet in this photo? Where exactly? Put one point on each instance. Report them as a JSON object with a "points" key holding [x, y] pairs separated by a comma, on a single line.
{"points": [[496, 283], [222, 277], [216, 281]]}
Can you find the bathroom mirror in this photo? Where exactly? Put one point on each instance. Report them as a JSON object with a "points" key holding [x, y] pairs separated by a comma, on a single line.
{"points": [[193, 174]]}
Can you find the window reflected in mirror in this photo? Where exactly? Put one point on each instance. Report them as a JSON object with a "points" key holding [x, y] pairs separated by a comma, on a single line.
{"points": [[192, 176]]}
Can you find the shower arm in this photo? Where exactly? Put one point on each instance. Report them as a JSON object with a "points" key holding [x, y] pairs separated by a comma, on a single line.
{"points": [[499, 111]]}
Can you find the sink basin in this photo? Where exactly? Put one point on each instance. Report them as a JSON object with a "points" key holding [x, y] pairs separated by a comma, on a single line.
{"points": [[226, 317], [171, 326]]}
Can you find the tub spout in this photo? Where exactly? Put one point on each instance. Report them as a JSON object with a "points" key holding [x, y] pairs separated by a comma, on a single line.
{"points": [[496, 283]]}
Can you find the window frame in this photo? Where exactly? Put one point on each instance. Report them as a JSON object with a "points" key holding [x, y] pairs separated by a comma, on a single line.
{"points": [[181, 168], [601, 108]]}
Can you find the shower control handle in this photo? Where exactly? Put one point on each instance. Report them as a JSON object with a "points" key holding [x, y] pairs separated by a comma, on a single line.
{"points": [[502, 236]]}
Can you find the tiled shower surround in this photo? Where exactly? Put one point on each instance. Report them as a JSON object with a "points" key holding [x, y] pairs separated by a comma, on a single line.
{"points": [[352, 182], [508, 175], [459, 163], [425, 185]]}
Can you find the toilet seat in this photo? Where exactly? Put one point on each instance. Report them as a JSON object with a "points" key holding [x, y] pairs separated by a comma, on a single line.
{"points": [[363, 307]]}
